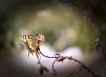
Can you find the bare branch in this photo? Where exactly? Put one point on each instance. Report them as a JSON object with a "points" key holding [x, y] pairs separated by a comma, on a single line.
{"points": [[55, 73], [80, 69], [73, 72], [70, 58], [89, 22]]}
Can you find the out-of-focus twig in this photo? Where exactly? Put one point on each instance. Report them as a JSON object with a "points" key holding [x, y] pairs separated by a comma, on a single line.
{"points": [[87, 19], [73, 72]]}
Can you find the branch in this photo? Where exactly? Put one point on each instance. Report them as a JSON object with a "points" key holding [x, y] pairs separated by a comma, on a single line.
{"points": [[90, 23], [60, 58], [73, 72]]}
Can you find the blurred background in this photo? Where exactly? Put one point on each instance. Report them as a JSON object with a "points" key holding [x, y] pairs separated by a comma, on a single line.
{"points": [[65, 32]]}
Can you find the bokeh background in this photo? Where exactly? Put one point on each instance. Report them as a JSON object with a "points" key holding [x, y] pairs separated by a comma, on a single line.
{"points": [[65, 32]]}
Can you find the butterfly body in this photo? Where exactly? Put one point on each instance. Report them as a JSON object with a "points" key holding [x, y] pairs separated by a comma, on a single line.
{"points": [[32, 42]]}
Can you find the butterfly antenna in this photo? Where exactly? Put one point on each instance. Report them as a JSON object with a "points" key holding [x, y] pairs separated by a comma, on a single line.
{"points": [[33, 30], [38, 31]]}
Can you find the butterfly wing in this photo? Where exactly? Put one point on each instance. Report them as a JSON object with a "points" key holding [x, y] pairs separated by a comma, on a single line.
{"points": [[32, 46], [32, 42], [24, 39], [27, 41]]}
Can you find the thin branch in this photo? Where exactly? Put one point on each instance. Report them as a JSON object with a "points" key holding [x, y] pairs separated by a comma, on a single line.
{"points": [[73, 72], [55, 73], [42, 68], [89, 22], [81, 69], [70, 58], [84, 66]]}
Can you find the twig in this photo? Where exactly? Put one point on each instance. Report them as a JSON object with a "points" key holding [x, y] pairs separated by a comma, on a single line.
{"points": [[70, 58], [42, 68], [79, 70], [84, 66], [73, 71], [55, 73], [89, 22]]}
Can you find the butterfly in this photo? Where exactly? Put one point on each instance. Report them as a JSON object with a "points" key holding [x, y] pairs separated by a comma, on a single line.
{"points": [[32, 42]]}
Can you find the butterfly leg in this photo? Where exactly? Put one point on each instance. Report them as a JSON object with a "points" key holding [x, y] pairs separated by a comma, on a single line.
{"points": [[36, 54], [28, 54]]}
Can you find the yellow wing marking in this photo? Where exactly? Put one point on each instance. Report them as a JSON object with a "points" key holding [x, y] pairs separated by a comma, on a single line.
{"points": [[30, 44]]}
